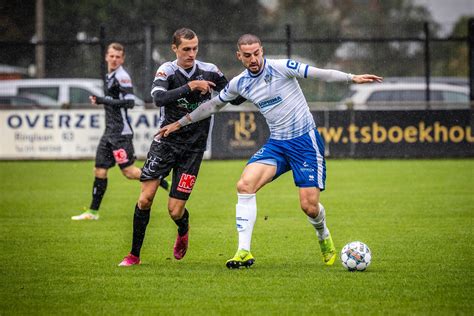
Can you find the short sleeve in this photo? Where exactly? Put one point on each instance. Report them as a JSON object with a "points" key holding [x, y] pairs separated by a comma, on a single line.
{"points": [[125, 83], [229, 93], [160, 82]]}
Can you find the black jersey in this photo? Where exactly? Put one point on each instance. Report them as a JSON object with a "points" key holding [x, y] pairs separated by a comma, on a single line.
{"points": [[172, 94], [118, 97]]}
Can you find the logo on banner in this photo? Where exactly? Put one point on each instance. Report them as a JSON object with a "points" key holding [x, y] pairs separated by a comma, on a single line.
{"points": [[186, 183], [120, 156], [244, 128]]}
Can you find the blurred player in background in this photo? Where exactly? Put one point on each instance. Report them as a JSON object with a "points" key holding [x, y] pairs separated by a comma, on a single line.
{"points": [[294, 143], [179, 87], [116, 146]]}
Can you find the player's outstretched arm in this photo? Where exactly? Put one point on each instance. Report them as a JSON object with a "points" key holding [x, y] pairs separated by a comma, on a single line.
{"points": [[125, 103], [331, 75], [202, 112]]}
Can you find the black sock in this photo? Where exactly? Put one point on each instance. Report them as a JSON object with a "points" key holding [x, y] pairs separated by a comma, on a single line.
{"points": [[183, 223], [98, 191], [140, 221]]}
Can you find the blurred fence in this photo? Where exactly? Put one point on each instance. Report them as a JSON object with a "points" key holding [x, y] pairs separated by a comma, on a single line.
{"points": [[238, 133], [423, 57]]}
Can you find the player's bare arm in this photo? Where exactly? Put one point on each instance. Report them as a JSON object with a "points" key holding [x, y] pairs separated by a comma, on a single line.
{"points": [[202, 112]]}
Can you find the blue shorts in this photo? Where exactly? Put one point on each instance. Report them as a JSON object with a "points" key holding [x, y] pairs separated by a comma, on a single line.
{"points": [[303, 155]]}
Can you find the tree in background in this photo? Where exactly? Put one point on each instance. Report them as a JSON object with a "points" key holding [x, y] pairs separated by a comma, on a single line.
{"points": [[452, 59], [222, 22], [355, 19], [385, 19], [16, 31], [125, 20]]}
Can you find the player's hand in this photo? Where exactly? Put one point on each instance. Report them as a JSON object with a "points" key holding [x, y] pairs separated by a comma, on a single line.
{"points": [[168, 129], [366, 78], [201, 85], [93, 99]]}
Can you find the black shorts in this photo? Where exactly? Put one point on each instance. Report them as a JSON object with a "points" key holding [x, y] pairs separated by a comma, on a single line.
{"points": [[163, 157], [115, 149]]}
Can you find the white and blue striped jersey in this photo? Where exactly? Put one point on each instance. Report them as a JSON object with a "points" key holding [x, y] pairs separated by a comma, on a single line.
{"points": [[277, 94]]}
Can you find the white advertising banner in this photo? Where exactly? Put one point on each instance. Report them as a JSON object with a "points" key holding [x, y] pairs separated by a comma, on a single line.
{"points": [[67, 134]]}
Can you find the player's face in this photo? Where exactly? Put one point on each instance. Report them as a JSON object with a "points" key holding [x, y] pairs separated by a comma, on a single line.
{"points": [[251, 56], [114, 59], [186, 52]]}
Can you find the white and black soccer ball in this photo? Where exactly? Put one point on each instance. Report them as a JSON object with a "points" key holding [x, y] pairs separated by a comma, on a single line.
{"points": [[356, 256]]}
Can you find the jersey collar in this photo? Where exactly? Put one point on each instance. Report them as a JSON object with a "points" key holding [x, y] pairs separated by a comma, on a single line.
{"points": [[110, 74], [184, 72], [260, 72]]}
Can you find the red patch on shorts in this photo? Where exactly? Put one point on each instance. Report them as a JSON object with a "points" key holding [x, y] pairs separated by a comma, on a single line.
{"points": [[186, 183], [120, 156]]}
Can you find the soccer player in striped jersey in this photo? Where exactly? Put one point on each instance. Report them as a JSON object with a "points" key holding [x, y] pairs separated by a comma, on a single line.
{"points": [[294, 143], [116, 144]]}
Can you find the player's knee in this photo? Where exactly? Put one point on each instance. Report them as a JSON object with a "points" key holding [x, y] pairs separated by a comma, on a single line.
{"points": [[131, 173], [244, 187], [311, 209], [128, 175], [145, 201], [100, 173], [175, 213]]}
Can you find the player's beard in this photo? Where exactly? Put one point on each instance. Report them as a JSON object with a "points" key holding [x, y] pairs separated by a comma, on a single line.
{"points": [[253, 69]]}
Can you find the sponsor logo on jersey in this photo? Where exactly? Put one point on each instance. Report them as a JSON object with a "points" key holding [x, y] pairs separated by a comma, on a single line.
{"points": [[292, 64], [268, 78], [186, 183], [161, 74], [183, 103], [269, 102], [125, 81]]}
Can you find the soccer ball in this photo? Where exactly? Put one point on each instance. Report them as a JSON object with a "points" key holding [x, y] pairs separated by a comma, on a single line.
{"points": [[356, 256]]}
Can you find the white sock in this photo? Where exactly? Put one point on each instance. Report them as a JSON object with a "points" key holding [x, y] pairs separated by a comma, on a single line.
{"points": [[245, 215], [319, 223]]}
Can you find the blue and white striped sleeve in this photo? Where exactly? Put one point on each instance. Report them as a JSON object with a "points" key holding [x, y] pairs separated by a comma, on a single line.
{"points": [[229, 93]]}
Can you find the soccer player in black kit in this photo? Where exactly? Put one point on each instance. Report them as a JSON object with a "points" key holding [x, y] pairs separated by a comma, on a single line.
{"points": [[179, 87], [116, 146]]}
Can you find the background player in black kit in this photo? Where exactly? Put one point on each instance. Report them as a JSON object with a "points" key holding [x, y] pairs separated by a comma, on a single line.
{"points": [[179, 87], [116, 144]]}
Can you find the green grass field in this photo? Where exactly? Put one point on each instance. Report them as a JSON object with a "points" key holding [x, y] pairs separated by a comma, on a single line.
{"points": [[415, 215]]}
